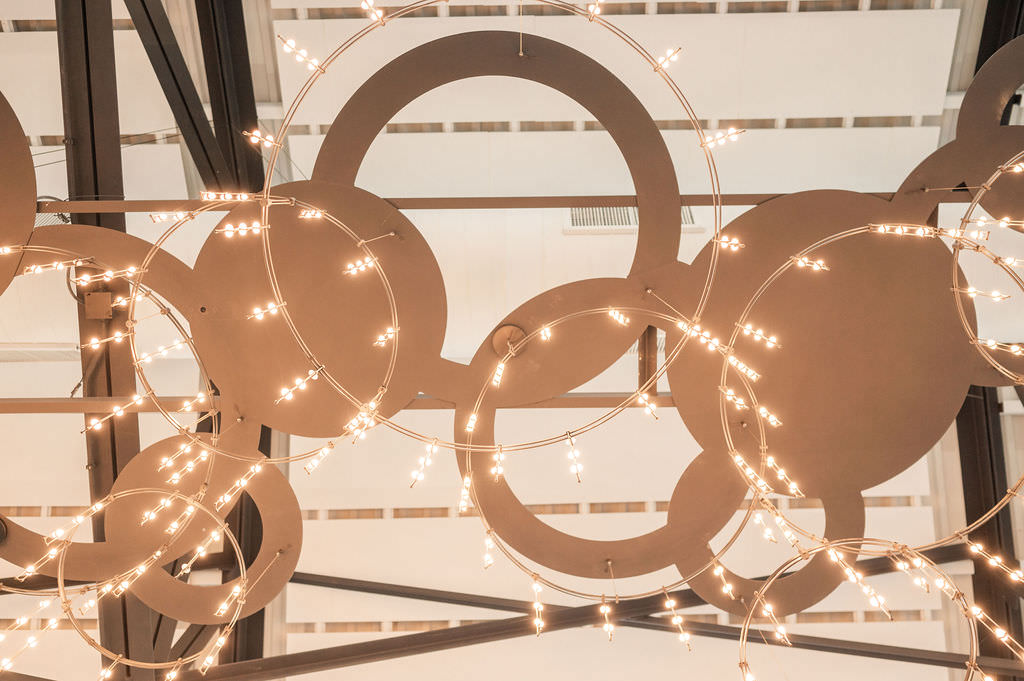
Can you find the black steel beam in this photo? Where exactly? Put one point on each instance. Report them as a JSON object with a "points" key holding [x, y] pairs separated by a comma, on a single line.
{"points": [[229, 80], [85, 44], [179, 89], [1004, 21], [295, 664], [983, 472], [686, 598]]}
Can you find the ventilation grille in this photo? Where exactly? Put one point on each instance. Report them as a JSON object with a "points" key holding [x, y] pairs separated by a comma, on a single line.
{"points": [[602, 220]]}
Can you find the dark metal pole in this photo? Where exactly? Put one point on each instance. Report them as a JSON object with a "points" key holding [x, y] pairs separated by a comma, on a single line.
{"points": [[85, 43]]}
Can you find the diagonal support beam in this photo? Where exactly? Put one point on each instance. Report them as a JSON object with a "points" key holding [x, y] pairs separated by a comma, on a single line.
{"points": [[154, 29]]}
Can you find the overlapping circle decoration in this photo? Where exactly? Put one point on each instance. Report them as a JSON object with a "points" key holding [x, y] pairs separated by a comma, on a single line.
{"points": [[841, 314]]}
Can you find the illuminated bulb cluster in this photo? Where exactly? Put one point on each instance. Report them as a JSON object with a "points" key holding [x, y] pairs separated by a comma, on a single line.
{"points": [[919, 581], [780, 473], [223, 196], [905, 230], [152, 513], [189, 405], [200, 551], [108, 671], [362, 422], [372, 11], [576, 468], [464, 494], [109, 275], [488, 547], [23, 621], [243, 229], [972, 292], [258, 313], [766, 530], [1002, 222], [95, 343], [118, 410], [1011, 261], [498, 469], [649, 405], [855, 577], [702, 335], [618, 316], [7, 250], [804, 261], [56, 266], [731, 396], [727, 588], [189, 466], [780, 631], [167, 461], [166, 217], [784, 526], [545, 334], [498, 372], [771, 418], [671, 55], [730, 243], [747, 674], [996, 561], [743, 368], [382, 339], [310, 214], [315, 462], [300, 384], [593, 9], [1018, 168], [257, 137], [358, 266], [236, 592], [214, 650], [122, 301], [301, 55], [161, 351], [677, 620], [182, 519], [730, 135], [745, 468], [7, 663], [538, 607], [424, 462], [999, 632], [760, 335], [471, 423], [606, 611], [1013, 349]]}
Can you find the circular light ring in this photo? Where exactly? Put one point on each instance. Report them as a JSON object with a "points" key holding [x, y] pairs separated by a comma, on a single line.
{"points": [[117, 658], [868, 546], [959, 242], [564, 551], [1015, 376], [153, 252], [320, 70]]}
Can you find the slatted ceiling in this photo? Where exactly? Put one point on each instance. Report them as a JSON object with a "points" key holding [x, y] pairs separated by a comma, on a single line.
{"points": [[412, 127], [301, 627], [477, 10], [624, 8], [821, 617], [420, 625], [619, 507], [337, 627], [424, 512], [481, 126], [680, 124], [746, 123], [21, 511], [545, 126], [828, 122], [363, 514], [421, 12], [552, 509], [750, 6], [901, 4], [828, 5], [883, 121], [687, 7], [931, 121], [543, 11]]}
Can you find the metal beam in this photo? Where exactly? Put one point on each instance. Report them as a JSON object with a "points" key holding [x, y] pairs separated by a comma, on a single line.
{"points": [[85, 43], [229, 80], [983, 470], [154, 29]]}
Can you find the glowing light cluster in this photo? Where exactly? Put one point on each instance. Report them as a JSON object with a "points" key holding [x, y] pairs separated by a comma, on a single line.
{"points": [[576, 468], [804, 261], [258, 313], [730, 135], [301, 55], [300, 384], [243, 229]]}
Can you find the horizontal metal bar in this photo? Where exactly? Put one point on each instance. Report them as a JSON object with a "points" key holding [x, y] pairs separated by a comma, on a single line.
{"points": [[81, 405], [449, 202], [100, 405]]}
